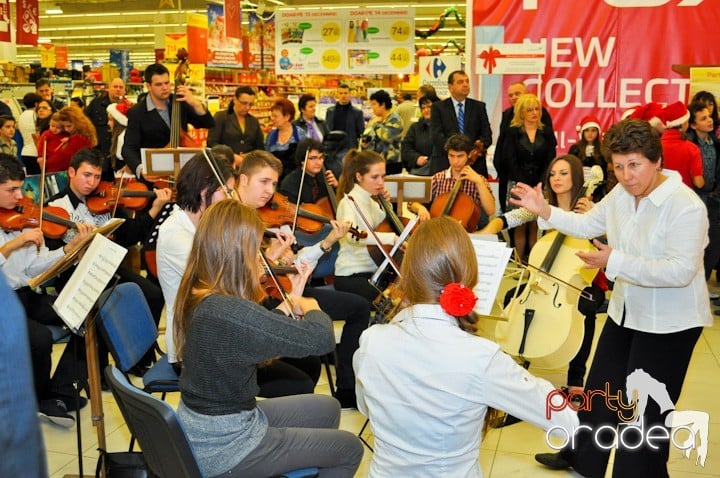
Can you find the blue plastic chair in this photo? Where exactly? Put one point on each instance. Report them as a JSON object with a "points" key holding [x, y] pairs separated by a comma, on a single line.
{"points": [[127, 325]]}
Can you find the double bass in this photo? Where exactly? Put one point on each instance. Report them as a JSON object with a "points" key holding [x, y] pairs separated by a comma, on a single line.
{"points": [[544, 326], [179, 138]]}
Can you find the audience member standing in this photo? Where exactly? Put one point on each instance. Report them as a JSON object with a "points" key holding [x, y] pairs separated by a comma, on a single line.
{"points": [[44, 88], [27, 124], [283, 139], [406, 110], [678, 153], [345, 117], [514, 91], [528, 147], [236, 127], [459, 114], [383, 132], [314, 127], [97, 112], [417, 145]]}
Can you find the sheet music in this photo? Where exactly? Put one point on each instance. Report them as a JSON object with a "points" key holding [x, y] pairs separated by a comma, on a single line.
{"points": [[90, 278], [492, 258]]}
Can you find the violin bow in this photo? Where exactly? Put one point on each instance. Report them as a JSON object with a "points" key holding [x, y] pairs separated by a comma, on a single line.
{"points": [[215, 168], [117, 196], [302, 182], [283, 294], [42, 188], [375, 237], [581, 292]]}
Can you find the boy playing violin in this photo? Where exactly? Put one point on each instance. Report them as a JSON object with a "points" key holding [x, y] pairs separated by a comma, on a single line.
{"points": [[84, 175], [259, 175], [458, 148], [23, 255]]}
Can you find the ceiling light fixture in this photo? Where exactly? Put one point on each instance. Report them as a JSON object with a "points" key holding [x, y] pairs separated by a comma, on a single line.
{"points": [[54, 10]]}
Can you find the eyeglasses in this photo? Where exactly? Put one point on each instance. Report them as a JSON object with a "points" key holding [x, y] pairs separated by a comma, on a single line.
{"points": [[43, 107], [315, 158]]}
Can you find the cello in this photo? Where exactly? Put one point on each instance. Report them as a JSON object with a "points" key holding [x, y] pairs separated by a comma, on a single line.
{"points": [[457, 204], [544, 326]]}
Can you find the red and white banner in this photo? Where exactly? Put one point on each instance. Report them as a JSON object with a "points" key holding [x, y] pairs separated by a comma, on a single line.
{"points": [[27, 21], [602, 58]]}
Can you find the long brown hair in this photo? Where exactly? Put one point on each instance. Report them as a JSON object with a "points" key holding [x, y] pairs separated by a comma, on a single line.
{"points": [[223, 260], [576, 174], [440, 252], [356, 162], [82, 123], [426, 270]]}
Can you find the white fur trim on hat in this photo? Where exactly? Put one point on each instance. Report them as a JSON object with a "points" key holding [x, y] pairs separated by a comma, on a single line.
{"points": [[117, 115]]}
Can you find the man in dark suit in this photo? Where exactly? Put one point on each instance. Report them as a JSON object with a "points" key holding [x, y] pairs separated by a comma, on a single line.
{"points": [[515, 90], [149, 120], [445, 121], [343, 116]]}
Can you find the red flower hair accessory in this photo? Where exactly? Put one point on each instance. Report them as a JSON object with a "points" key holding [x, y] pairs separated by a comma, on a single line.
{"points": [[457, 300]]}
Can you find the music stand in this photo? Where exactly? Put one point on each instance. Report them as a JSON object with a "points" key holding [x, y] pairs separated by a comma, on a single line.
{"points": [[408, 187], [91, 355], [166, 161]]}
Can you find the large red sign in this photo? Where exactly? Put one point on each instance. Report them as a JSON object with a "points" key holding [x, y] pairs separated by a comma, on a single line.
{"points": [[602, 57]]}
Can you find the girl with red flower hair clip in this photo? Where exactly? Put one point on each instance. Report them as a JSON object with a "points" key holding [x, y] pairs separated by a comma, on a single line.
{"points": [[428, 384]]}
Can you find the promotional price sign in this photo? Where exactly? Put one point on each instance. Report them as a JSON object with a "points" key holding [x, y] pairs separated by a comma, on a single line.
{"points": [[372, 40]]}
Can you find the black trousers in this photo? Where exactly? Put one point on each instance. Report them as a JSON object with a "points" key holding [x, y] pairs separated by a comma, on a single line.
{"points": [[621, 351], [357, 284], [355, 311], [288, 376]]}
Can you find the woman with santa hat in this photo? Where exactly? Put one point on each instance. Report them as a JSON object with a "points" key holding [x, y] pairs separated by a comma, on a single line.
{"points": [[588, 150], [117, 122]]}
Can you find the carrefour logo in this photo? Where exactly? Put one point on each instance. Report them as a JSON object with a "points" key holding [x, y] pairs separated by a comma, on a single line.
{"points": [[436, 68]]}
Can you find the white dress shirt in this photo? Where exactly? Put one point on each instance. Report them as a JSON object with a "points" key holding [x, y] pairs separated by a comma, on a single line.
{"points": [[175, 239], [426, 384], [657, 254], [353, 256], [26, 262]]}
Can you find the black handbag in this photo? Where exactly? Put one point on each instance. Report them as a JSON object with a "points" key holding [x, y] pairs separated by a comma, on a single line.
{"points": [[127, 464]]}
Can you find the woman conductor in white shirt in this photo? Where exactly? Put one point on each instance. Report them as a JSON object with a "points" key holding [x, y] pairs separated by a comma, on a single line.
{"points": [[656, 229]]}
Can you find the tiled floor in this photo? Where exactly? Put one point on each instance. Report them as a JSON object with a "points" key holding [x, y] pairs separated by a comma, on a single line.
{"points": [[506, 452]]}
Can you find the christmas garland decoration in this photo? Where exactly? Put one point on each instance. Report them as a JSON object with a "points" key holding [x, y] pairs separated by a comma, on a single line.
{"points": [[441, 23]]}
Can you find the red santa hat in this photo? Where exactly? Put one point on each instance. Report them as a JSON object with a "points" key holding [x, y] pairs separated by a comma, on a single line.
{"points": [[651, 112], [675, 114], [118, 111], [589, 121]]}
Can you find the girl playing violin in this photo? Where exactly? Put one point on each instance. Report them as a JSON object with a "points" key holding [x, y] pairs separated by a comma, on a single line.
{"points": [[562, 185], [426, 381], [259, 174], [313, 186], [362, 178], [458, 148], [222, 332]]}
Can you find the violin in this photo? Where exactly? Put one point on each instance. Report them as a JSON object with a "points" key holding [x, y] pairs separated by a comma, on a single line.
{"points": [[272, 285], [392, 223], [457, 204], [179, 138], [330, 203], [133, 195], [56, 220], [280, 211], [544, 326]]}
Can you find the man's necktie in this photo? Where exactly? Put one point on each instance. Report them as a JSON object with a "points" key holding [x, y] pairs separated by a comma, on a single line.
{"points": [[461, 118]]}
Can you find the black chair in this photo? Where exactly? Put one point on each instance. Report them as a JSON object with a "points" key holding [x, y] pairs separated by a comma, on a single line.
{"points": [[155, 424], [164, 444]]}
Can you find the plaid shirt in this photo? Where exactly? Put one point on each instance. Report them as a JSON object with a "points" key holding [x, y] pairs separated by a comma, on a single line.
{"points": [[443, 182]]}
